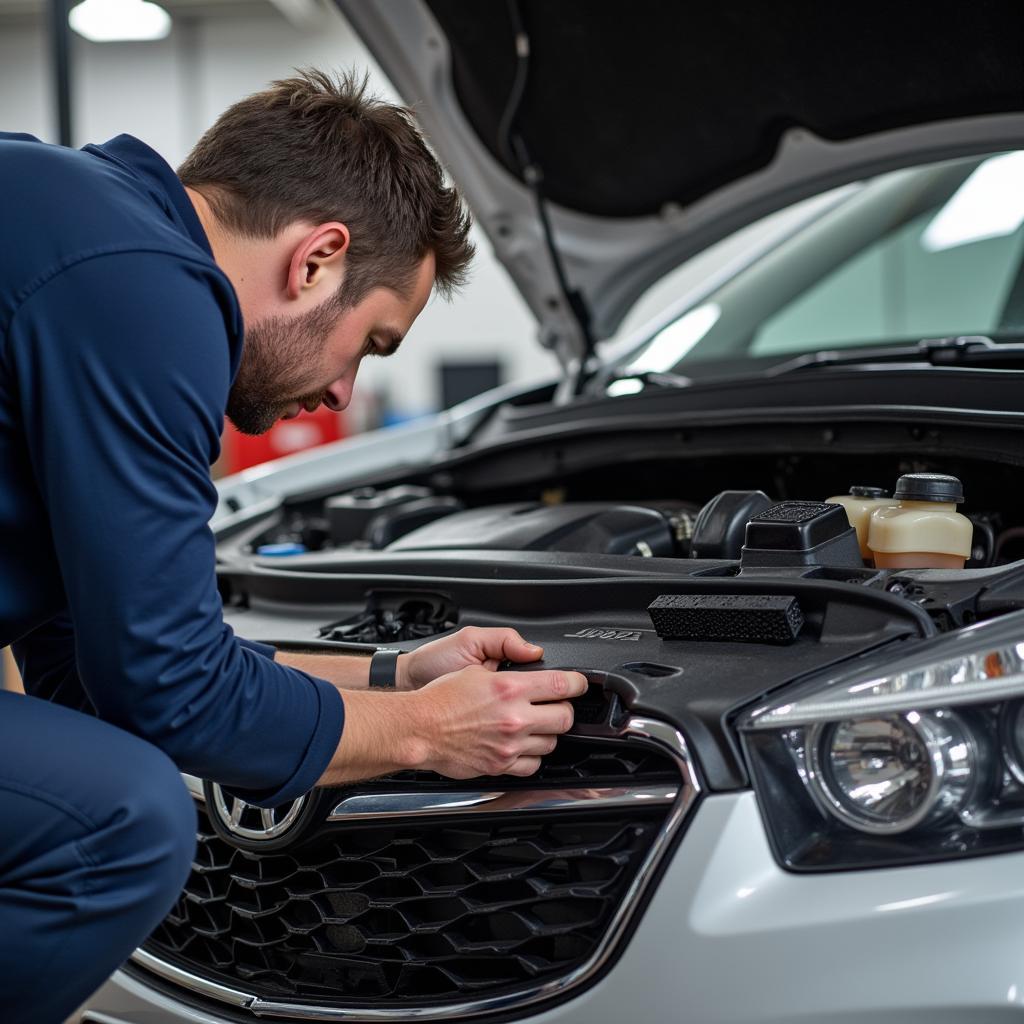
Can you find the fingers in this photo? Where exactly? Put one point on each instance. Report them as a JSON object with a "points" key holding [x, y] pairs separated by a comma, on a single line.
{"points": [[530, 737], [550, 719], [500, 723], [523, 766], [554, 685], [538, 746], [515, 648], [502, 645]]}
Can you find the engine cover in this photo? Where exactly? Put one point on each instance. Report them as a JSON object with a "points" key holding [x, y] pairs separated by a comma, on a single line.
{"points": [[594, 527]]}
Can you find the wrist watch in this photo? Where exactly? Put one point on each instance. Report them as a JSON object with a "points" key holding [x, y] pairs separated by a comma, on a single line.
{"points": [[384, 668]]}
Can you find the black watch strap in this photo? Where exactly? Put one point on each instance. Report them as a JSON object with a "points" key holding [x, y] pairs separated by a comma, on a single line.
{"points": [[384, 669]]}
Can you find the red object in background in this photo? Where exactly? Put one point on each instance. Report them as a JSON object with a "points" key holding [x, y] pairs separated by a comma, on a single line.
{"points": [[307, 430]]}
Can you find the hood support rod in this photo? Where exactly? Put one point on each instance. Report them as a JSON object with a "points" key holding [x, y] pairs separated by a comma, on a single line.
{"points": [[513, 148]]}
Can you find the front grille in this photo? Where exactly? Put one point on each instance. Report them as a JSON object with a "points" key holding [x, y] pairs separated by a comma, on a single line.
{"points": [[409, 912]]}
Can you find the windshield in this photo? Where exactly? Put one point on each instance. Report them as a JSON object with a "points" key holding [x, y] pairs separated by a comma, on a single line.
{"points": [[927, 252]]}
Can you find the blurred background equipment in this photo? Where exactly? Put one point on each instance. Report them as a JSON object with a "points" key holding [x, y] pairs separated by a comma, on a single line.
{"points": [[464, 380], [308, 430]]}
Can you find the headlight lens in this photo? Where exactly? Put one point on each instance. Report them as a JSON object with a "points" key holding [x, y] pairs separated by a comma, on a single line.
{"points": [[906, 759], [888, 774]]}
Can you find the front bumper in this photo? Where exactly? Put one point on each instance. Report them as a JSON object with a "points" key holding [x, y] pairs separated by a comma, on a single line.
{"points": [[729, 936]]}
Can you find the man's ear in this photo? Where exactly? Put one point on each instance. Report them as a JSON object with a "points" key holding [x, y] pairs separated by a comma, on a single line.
{"points": [[318, 259]]}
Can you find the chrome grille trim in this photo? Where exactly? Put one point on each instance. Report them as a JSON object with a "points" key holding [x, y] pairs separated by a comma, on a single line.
{"points": [[201, 986], [195, 786], [647, 730], [375, 806]]}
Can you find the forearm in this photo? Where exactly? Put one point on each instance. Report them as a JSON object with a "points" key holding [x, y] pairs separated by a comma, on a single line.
{"points": [[346, 671], [454, 713], [382, 734]]}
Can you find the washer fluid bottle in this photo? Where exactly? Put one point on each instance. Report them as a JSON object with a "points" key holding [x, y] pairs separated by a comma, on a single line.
{"points": [[859, 504], [923, 530]]}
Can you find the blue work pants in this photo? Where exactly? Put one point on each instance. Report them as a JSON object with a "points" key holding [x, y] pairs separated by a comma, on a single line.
{"points": [[97, 833]]}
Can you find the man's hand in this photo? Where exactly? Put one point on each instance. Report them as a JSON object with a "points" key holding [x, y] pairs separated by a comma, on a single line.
{"points": [[467, 723], [477, 722], [470, 646]]}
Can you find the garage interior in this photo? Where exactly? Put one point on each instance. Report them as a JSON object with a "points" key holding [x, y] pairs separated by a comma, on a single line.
{"points": [[683, 535]]}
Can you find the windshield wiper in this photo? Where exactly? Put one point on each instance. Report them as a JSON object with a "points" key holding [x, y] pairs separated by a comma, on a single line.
{"points": [[965, 350], [620, 382]]}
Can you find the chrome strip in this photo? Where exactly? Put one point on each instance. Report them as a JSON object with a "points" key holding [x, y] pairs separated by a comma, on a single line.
{"points": [[647, 730], [195, 786], [222, 993], [371, 806]]}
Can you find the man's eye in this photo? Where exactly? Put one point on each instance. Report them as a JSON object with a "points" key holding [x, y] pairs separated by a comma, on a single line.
{"points": [[370, 348]]}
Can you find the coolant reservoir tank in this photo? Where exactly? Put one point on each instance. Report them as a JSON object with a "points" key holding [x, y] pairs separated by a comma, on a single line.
{"points": [[859, 504], [923, 530]]}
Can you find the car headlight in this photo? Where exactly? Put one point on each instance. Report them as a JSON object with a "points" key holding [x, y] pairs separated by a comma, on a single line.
{"points": [[890, 773], [914, 754]]}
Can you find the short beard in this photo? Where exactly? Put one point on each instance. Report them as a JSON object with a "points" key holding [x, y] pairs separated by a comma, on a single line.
{"points": [[274, 372]]}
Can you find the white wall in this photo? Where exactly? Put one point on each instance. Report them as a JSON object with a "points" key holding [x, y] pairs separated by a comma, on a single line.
{"points": [[24, 84], [168, 92]]}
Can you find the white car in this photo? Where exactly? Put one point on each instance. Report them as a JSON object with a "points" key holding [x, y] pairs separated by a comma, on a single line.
{"points": [[795, 789]]}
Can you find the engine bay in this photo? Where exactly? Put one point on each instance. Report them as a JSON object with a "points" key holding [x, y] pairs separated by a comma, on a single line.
{"points": [[686, 610], [639, 507]]}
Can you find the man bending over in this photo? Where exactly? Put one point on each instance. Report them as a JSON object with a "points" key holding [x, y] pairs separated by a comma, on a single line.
{"points": [[305, 232]]}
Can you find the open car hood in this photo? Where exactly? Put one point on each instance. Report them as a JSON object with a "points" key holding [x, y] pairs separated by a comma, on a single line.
{"points": [[656, 129]]}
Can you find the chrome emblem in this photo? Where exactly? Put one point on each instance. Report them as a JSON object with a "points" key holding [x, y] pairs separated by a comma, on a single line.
{"points": [[254, 823]]}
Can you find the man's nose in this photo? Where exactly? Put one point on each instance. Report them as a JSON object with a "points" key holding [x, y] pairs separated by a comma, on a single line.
{"points": [[338, 395]]}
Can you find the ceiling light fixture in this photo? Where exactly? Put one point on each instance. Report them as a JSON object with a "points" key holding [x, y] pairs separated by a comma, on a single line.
{"points": [[110, 21]]}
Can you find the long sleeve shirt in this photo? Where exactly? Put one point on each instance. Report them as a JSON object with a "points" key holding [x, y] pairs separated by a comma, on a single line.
{"points": [[119, 341]]}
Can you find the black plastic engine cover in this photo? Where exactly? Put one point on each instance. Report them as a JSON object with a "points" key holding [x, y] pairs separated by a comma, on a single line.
{"points": [[580, 526], [601, 626], [348, 515]]}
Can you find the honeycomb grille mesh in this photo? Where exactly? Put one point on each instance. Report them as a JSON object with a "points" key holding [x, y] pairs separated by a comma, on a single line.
{"points": [[415, 912]]}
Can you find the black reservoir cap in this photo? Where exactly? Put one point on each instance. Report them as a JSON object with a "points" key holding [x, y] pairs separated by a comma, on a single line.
{"points": [[796, 525], [743, 618], [795, 533], [929, 487], [859, 491]]}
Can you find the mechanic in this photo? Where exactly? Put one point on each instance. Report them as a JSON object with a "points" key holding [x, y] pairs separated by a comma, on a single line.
{"points": [[317, 215]]}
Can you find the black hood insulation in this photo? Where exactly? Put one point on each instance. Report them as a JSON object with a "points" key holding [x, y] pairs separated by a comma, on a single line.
{"points": [[631, 107]]}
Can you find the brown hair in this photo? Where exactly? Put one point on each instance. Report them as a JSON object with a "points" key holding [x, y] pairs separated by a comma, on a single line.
{"points": [[317, 148]]}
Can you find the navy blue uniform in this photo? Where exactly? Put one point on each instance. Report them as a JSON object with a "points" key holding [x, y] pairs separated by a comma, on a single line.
{"points": [[119, 340]]}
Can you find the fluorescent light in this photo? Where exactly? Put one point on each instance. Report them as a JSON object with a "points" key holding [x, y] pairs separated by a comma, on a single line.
{"points": [[989, 204], [671, 343], [110, 21]]}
